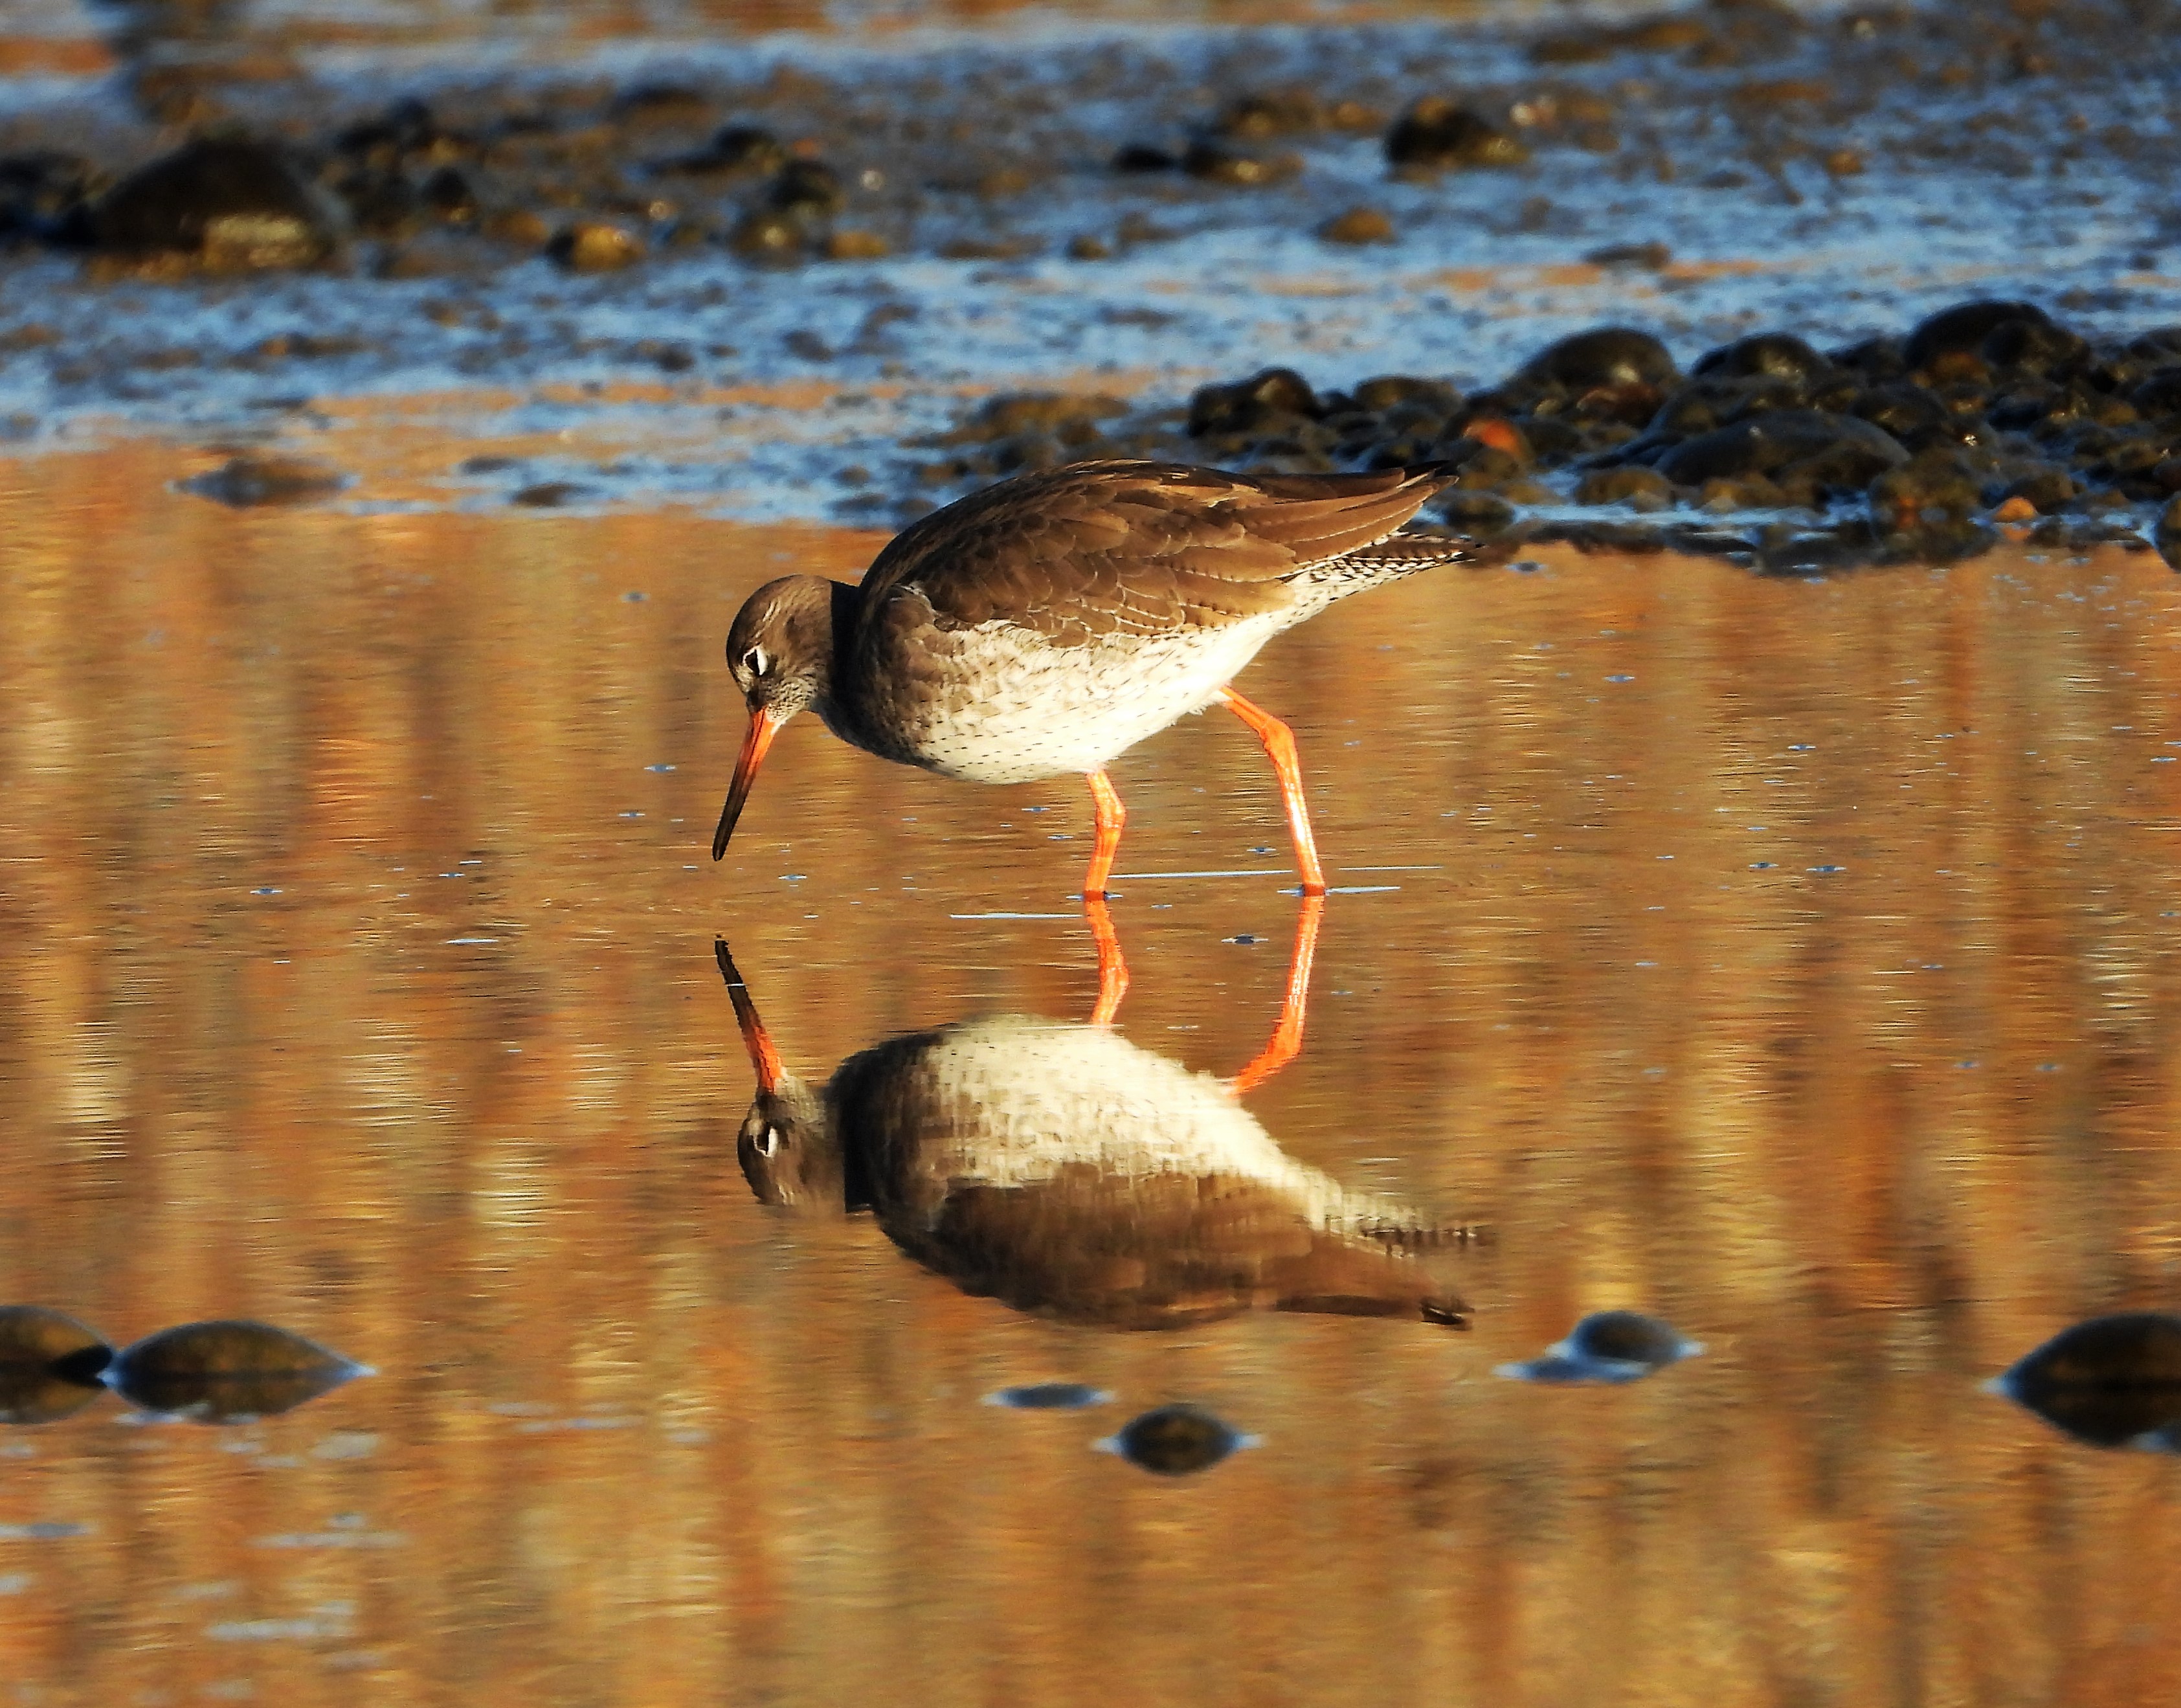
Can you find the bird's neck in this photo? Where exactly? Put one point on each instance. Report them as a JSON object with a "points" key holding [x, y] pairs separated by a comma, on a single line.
{"points": [[835, 700]]}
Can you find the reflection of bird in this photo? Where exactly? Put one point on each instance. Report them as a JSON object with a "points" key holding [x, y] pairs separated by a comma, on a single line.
{"points": [[1064, 1171], [1049, 623]]}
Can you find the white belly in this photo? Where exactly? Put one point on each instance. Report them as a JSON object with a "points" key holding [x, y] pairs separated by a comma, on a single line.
{"points": [[1008, 708]]}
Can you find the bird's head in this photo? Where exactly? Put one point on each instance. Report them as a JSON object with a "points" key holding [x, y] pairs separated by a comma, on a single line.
{"points": [[780, 650]]}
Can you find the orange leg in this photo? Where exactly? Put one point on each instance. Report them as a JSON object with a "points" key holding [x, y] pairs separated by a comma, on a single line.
{"points": [[1109, 815], [1113, 971], [1285, 1043], [1280, 749]]}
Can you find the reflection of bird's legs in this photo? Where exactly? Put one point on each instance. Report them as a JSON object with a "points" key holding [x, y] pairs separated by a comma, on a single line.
{"points": [[1113, 971], [1280, 749], [1285, 1043], [1109, 815], [764, 1057]]}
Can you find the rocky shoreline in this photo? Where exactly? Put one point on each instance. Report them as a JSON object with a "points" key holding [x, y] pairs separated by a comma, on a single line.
{"points": [[1988, 419]]}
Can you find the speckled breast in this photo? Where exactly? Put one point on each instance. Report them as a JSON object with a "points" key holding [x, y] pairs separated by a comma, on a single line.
{"points": [[998, 704]]}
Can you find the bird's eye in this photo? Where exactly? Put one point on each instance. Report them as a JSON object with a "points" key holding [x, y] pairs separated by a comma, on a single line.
{"points": [[757, 660], [768, 1141]]}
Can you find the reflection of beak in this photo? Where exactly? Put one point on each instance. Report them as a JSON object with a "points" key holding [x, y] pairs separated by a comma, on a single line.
{"points": [[762, 727], [764, 1057]]}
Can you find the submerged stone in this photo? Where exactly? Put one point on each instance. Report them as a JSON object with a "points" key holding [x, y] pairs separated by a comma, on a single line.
{"points": [[228, 1370], [231, 202], [1174, 1440]]}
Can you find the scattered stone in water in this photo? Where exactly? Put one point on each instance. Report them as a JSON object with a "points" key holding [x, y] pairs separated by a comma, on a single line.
{"points": [[1050, 1397], [1649, 257], [49, 1364], [856, 245], [1215, 164], [1266, 395], [233, 204], [2112, 1381], [1141, 156], [1437, 134], [595, 246], [1605, 356], [1358, 225], [1174, 1440], [734, 148], [1777, 354], [227, 1371], [257, 478], [768, 234], [547, 494], [808, 187], [1608, 1347], [2167, 536]]}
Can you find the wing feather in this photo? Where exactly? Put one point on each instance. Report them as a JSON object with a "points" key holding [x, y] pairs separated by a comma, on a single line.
{"points": [[1076, 553]]}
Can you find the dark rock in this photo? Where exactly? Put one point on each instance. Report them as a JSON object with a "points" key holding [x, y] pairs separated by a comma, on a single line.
{"points": [[1917, 417], [1174, 1440], [1831, 451], [49, 1364], [1964, 327], [1480, 514], [227, 1372], [2159, 395], [768, 234], [1769, 354], [2048, 489], [1284, 113], [546, 495], [1436, 135], [733, 148], [2112, 1381], [808, 187], [1935, 486], [231, 202], [2035, 346], [1358, 225], [1215, 164], [1606, 356], [1640, 488], [258, 477], [1876, 359], [594, 245], [1649, 257], [1141, 156], [1386, 390], [1268, 395], [662, 104], [42, 193], [450, 195], [2167, 535]]}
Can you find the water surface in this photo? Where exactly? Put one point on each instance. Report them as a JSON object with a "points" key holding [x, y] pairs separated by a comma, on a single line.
{"points": [[1790, 959]]}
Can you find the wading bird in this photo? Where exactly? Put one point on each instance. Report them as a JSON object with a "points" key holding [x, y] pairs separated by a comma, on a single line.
{"points": [[1049, 623]]}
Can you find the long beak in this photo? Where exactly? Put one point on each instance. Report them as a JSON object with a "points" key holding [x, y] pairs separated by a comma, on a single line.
{"points": [[763, 726], [764, 1057]]}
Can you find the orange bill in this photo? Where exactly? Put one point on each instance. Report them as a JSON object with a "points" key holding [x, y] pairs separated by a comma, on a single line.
{"points": [[763, 727], [763, 1059]]}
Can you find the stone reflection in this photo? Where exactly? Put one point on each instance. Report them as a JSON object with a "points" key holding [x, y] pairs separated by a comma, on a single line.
{"points": [[1068, 1173], [1608, 1347], [1049, 1397], [1173, 1440], [2112, 1381], [227, 1372], [49, 1364]]}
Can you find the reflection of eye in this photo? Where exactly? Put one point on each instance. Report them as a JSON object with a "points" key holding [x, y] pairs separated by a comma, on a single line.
{"points": [[768, 1141], [757, 662]]}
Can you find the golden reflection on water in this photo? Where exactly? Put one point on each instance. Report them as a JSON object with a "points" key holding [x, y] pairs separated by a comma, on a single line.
{"points": [[1790, 959]]}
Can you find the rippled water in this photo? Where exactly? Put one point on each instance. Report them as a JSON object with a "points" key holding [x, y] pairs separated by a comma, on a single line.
{"points": [[1789, 960]]}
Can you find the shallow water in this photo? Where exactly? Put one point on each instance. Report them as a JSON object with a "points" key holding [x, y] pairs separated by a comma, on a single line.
{"points": [[1789, 959]]}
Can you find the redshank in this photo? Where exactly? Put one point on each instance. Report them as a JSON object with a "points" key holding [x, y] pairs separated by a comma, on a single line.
{"points": [[1067, 1172], [1051, 621]]}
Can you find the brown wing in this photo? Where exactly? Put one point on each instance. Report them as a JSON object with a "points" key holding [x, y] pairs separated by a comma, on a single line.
{"points": [[1098, 548]]}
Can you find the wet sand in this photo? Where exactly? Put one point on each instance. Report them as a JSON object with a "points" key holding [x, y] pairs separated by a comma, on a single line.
{"points": [[1791, 957]]}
